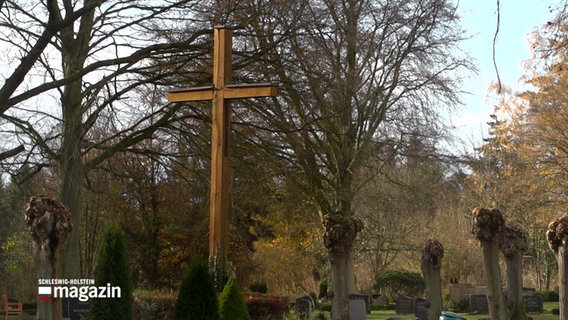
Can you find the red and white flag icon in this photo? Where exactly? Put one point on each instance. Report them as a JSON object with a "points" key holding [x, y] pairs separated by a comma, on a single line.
{"points": [[44, 293]]}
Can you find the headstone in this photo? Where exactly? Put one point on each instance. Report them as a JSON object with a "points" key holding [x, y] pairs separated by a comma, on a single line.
{"points": [[305, 305], [357, 310], [365, 297], [404, 305], [478, 304], [533, 304], [420, 309], [73, 309]]}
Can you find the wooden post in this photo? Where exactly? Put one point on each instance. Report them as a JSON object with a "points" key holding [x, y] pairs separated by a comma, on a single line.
{"points": [[220, 93]]}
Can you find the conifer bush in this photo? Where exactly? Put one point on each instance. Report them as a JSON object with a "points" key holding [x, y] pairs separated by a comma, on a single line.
{"points": [[112, 268], [197, 299], [231, 303]]}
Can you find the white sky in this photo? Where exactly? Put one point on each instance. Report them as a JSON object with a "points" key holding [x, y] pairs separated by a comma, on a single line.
{"points": [[518, 18]]}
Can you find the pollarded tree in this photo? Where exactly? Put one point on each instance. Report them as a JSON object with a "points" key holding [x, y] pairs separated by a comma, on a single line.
{"points": [[353, 74], [488, 228], [557, 236], [431, 265], [49, 223]]}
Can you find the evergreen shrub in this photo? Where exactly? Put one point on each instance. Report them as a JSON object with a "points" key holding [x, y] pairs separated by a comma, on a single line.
{"points": [[197, 299], [259, 286], [231, 303], [112, 268]]}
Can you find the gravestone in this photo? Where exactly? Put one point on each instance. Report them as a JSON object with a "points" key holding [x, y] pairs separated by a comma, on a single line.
{"points": [[357, 309], [420, 309], [404, 305], [73, 309], [365, 297], [304, 305], [478, 304], [533, 304]]}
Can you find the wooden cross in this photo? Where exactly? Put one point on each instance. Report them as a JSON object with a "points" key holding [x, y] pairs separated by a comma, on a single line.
{"points": [[219, 93]]}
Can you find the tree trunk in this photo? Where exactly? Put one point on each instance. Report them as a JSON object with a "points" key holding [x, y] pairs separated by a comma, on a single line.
{"points": [[513, 246], [75, 46], [495, 297], [71, 175], [515, 288], [431, 265], [342, 282], [340, 233], [557, 237], [562, 258], [44, 270]]}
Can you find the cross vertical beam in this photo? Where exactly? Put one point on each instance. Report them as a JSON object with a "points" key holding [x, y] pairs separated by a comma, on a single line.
{"points": [[221, 93], [220, 126]]}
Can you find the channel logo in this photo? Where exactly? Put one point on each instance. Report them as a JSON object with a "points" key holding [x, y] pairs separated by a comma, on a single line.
{"points": [[82, 292]]}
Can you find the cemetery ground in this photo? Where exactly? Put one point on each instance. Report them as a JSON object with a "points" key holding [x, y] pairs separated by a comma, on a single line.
{"points": [[386, 314]]}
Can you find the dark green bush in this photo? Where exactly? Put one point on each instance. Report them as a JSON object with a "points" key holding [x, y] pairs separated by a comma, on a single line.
{"points": [[548, 296], [400, 282], [197, 299], [323, 289], [231, 303], [112, 268], [258, 286]]}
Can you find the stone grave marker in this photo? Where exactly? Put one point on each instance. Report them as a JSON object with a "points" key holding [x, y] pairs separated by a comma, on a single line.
{"points": [[73, 309], [420, 309], [304, 305], [533, 304], [365, 297], [478, 304], [404, 305], [357, 309]]}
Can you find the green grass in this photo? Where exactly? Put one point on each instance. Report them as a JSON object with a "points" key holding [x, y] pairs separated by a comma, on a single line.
{"points": [[546, 315]]}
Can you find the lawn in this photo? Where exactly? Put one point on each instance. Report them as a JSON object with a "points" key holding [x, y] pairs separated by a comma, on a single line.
{"points": [[546, 315]]}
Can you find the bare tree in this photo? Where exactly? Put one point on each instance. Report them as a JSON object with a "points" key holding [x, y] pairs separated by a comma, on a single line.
{"points": [[353, 74], [87, 77]]}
